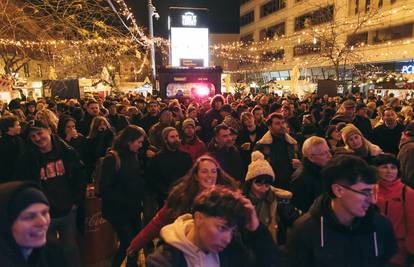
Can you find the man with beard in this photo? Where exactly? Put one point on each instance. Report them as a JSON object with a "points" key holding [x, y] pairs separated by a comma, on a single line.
{"points": [[280, 149], [152, 116], [56, 167], [388, 135], [168, 165], [191, 143], [92, 110], [223, 150]]}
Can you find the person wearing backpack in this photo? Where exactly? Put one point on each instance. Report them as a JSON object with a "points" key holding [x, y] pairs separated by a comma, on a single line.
{"points": [[122, 188], [396, 202]]}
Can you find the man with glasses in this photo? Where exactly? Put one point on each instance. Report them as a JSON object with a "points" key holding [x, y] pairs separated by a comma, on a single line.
{"points": [[306, 184], [342, 228]]}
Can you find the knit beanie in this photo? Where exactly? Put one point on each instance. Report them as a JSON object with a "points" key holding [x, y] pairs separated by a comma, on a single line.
{"points": [[165, 133], [259, 166], [348, 130], [23, 199], [188, 122]]}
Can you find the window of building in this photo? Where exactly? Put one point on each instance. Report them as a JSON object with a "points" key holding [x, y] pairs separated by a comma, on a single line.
{"points": [[357, 39], [247, 18], [393, 33], [248, 38], [356, 7], [306, 49], [316, 17], [273, 55], [271, 7], [367, 5], [273, 31]]}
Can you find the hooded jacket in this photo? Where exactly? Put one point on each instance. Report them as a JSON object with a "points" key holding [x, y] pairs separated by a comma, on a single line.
{"points": [[10, 253], [406, 158], [396, 202], [60, 173], [176, 250], [319, 240]]}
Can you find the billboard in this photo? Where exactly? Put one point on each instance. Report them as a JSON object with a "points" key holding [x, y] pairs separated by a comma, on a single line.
{"points": [[188, 37]]}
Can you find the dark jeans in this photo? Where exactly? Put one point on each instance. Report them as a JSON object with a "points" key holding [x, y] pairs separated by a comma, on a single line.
{"points": [[126, 231]]}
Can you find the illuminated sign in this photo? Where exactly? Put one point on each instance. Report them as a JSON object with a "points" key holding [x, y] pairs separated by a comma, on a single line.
{"points": [[184, 48], [407, 69], [189, 19]]}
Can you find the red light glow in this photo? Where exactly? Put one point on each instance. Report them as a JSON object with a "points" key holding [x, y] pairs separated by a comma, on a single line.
{"points": [[202, 91]]}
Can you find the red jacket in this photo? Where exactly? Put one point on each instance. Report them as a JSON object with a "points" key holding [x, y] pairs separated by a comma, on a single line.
{"points": [[195, 149], [152, 230], [400, 211]]}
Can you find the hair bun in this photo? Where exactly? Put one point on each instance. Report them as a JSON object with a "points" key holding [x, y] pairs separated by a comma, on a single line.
{"points": [[257, 155]]}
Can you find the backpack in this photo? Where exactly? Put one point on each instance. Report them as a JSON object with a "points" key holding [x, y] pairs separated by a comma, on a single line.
{"points": [[97, 172]]}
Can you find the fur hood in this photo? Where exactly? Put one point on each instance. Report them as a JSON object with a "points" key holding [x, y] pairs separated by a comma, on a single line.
{"points": [[267, 139]]}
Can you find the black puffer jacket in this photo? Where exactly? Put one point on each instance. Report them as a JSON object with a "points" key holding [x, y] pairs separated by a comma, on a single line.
{"points": [[10, 254], [319, 240]]}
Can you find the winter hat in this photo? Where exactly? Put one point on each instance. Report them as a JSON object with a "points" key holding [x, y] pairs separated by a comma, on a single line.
{"points": [[259, 166], [348, 130], [165, 133], [188, 122], [24, 198]]}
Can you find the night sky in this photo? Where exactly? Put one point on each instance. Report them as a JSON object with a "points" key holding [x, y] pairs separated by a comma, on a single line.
{"points": [[224, 14]]}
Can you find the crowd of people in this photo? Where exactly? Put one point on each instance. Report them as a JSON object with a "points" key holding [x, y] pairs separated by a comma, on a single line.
{"points": [[235, 180]]}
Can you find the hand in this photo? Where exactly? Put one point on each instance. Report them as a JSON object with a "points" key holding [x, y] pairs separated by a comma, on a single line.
{"points": [[214, 123], [254, 223], [296, 163], [150, 153], [245, 146]]}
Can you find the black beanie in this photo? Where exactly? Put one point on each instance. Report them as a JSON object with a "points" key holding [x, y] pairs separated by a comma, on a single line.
{"points": [[23, 199]]}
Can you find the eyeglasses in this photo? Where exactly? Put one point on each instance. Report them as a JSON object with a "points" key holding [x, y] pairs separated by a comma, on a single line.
{"points": [[365, 193], [263, 181]]}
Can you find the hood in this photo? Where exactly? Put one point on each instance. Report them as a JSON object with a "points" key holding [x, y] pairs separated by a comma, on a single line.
{"points": [[373, 149], [406, 141], [322, 212], [175, 235], [267, 139]]}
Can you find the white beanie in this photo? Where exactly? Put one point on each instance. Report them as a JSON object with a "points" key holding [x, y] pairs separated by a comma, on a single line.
{"points": [[259, 166]]}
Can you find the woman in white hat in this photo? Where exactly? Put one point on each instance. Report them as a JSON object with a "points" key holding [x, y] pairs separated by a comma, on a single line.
{"points": [[272, 204]]}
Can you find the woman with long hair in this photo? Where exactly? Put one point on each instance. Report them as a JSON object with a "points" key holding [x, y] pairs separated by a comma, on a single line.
{"points": [[122, 189], [357, 144], [205, 173], [100, 139]]}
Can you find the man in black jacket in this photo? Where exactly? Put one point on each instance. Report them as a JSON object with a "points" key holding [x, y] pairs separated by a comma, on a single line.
{"points": [[167, 166], [223, 150], [388, 135], [54, 165], [207, 236], [92, 110], [117, 121], [306, 184], [342, 228], [11, 146]]}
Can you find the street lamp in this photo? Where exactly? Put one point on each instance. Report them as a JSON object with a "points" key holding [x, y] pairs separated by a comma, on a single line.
{"points": [[152, 12]]}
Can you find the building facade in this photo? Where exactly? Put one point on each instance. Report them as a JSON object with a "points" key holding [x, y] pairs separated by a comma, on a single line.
{"points": [[284, 28]]}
